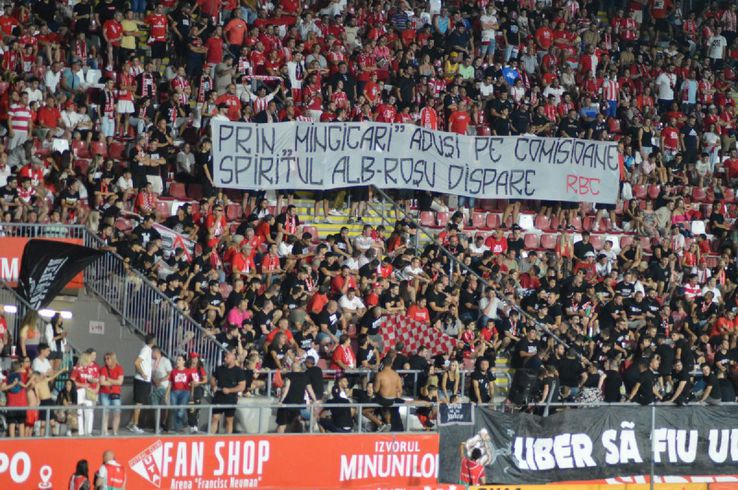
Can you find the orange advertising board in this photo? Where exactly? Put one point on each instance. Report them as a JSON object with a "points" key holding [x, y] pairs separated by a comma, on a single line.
{"points": [[210, 462], [11, 251]]}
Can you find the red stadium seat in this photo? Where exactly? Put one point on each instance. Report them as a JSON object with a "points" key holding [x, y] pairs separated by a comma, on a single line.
{"points": [[98, 148], [699, 194], [233, 212], [577, 223], [479, 220], [178, 191], [645, 244], [729, 194], [80, 149], [164, 208], [596, 241], [116, 149], [428, 219], [532, 241], [548, 241], [543, 222], [442, 217], [625, 240], [493, 221], [640, 191], [82, 165], [588, 223], [313, 232], [654, 191]]}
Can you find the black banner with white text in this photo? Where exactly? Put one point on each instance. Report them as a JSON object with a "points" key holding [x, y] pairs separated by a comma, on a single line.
{"points": [[594, 443], [47, 266]]}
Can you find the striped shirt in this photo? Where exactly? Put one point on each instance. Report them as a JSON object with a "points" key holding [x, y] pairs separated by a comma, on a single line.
{"points": [[20, 117]]}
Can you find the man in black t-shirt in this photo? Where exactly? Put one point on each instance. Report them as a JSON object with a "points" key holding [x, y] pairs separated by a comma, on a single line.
{"points": [[227, 382], [645, 390], [482, 383]]}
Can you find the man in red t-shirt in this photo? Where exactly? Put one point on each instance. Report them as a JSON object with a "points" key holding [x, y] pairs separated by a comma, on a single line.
{"points": [[458, 121], [158, 31], [671, 141], [497, 243], [111, 381], [232, 101], [113, 34], [235, 30]]}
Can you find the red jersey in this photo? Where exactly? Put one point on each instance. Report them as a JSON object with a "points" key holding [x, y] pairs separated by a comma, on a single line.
{"points": [[418, 314], [114, 31], [233, 103], [158, 27]]}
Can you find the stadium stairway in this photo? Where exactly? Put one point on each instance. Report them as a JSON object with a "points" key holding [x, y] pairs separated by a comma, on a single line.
{"points": [[334, 224]]}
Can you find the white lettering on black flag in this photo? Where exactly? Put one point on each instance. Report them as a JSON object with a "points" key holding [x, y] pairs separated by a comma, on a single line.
{"points": [[303, 156], [595, 443]]}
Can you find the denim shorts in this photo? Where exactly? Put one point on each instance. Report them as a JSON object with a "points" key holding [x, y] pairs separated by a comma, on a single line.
{"points": [[107, 401]]}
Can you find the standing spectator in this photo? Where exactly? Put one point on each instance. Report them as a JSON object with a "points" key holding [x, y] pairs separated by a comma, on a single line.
{"points": [[142, 382], [161, 368], [178, 390], [227, 382], [86, 377], [111, 382]]}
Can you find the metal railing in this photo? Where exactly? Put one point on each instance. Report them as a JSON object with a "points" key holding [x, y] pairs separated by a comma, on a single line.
{"points": [[48, 423], [366, 374], [145, 308], [131, 295]]}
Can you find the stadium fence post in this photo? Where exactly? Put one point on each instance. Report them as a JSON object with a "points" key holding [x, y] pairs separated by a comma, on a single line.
{"points": [[653, 444]]}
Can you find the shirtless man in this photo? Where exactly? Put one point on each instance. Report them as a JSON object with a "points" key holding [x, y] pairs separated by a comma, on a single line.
{"points": [[388, 387], [43, 394]]}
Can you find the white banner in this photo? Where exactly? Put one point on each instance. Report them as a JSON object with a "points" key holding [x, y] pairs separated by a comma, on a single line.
{"points": [[304, 155]]}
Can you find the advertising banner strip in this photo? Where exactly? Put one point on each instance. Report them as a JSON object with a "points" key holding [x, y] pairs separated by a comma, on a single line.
{"points": [[276, 461], [594, 443], [305, 155]]}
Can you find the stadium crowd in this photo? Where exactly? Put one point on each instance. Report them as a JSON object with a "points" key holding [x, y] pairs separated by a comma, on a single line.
{"points": [[105, 110]]}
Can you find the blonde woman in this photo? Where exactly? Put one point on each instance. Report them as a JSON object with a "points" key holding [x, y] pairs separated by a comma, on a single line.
{"points": [[450, 381], [29, 336], [86, 375]]}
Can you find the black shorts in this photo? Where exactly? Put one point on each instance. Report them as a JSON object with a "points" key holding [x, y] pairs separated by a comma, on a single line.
{"points": [[385, 402], [56, 355], [158, 50], [287, 415], [360, 194], [141, 392], [15, 416], [227, 412], [42, 413]]}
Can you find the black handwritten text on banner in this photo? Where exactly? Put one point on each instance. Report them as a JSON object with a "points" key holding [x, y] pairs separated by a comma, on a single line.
{"points": [[303, 155]]}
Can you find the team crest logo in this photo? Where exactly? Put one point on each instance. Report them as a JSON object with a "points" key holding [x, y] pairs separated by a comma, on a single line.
{"points": [[147, 464]]}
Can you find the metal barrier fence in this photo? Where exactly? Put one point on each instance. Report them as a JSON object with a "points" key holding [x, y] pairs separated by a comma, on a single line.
{"points": [[366, 374], [98, 418], [130, 294]]}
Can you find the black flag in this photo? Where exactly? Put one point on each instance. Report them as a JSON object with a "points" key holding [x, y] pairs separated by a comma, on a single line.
{"points": [[47, 266]]}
